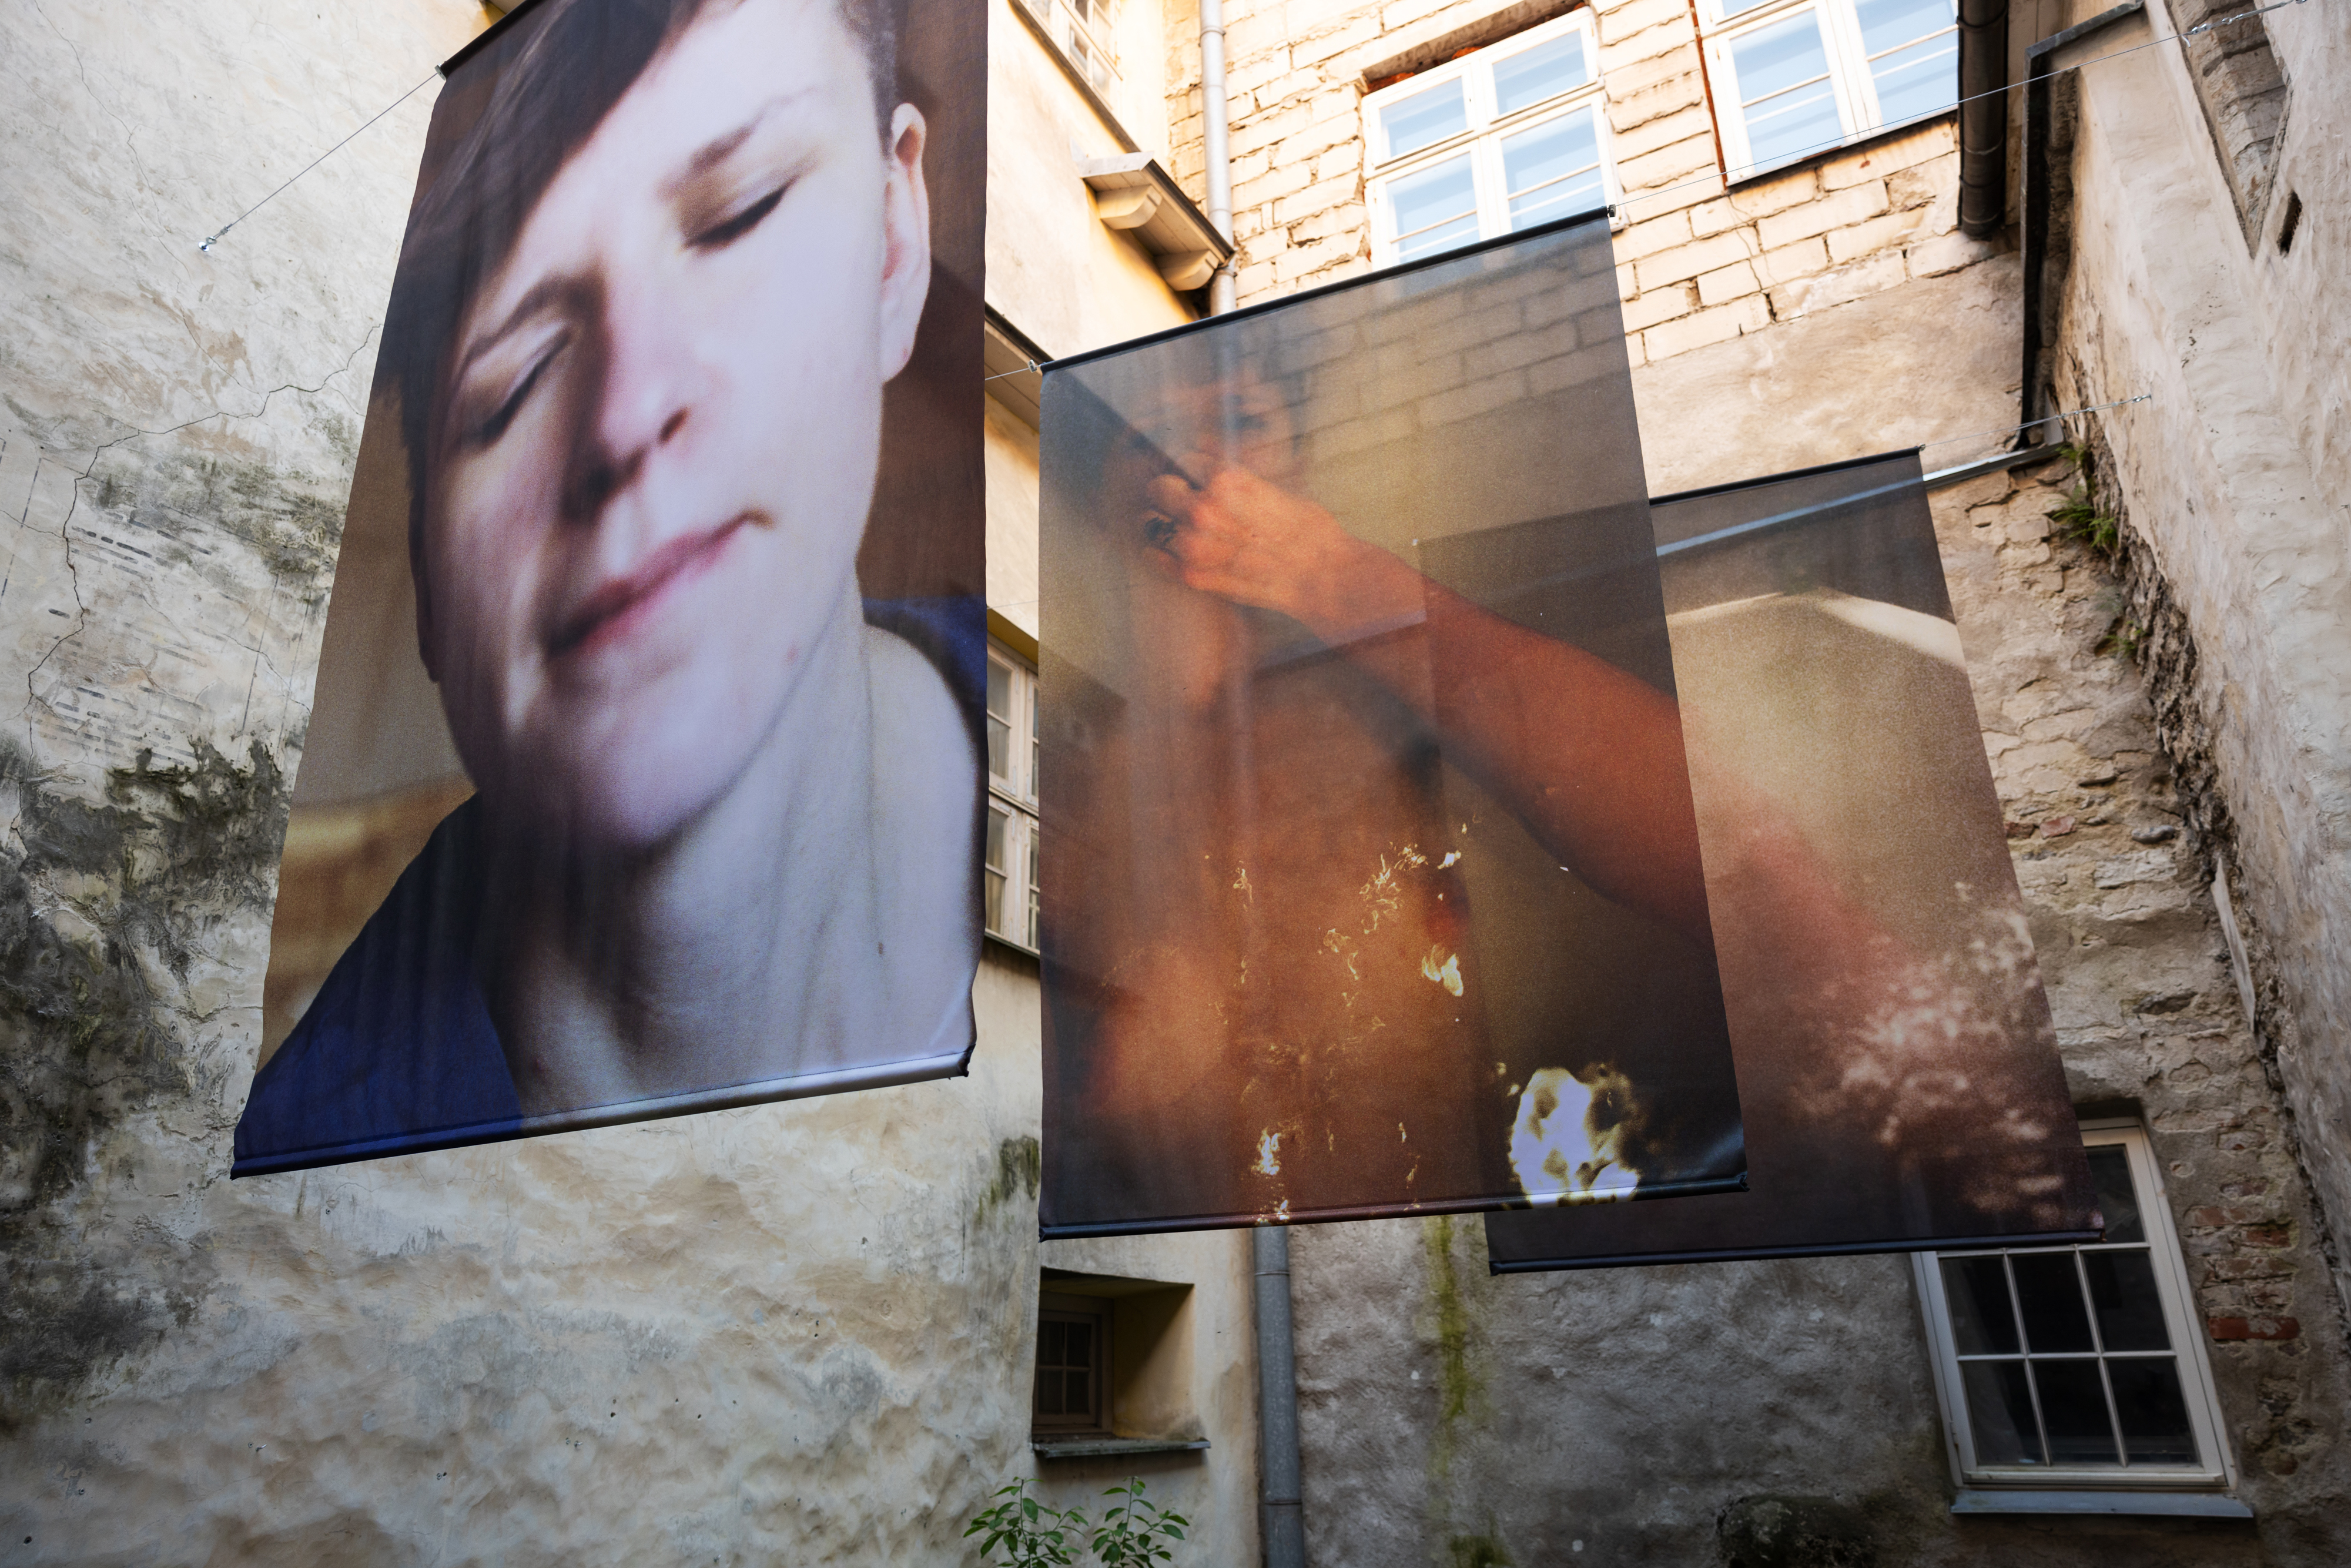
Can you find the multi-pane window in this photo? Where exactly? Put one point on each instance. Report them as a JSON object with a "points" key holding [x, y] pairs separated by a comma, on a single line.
{"points": [[1508, 137], [2078, 1365], [1083, 30], [1796, 77], [1073, 1365], [1009, 872]]}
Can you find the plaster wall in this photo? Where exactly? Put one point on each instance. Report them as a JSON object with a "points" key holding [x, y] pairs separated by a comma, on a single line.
{"points": [[2233, 474], [796, 1333], [1053, 270]]}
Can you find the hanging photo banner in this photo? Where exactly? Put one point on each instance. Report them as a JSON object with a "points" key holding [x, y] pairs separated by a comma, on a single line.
{"points": [[1897, 1059], [642, 775], [1370, 880]]}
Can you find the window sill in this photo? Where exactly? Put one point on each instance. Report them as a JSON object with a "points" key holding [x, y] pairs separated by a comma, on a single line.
{"points": [[2143, 1504], [1114, 1447], [1762, 172]]}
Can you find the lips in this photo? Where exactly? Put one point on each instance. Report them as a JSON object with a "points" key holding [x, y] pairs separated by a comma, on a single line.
{"points": [[613, 606]]}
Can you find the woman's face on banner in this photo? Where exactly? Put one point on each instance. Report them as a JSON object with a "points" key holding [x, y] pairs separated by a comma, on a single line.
{"points": [[659, 434]]}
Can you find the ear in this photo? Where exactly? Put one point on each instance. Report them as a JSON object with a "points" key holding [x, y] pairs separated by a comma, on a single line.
{"points": [[906, 238]]}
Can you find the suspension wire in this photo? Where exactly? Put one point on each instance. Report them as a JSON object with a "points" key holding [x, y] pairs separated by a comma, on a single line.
{"points": [[2034, 424], [213, 238]]}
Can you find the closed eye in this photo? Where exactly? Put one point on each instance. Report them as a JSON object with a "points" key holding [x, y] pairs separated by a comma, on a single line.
{"points": [[485, 431], [727, 230]]}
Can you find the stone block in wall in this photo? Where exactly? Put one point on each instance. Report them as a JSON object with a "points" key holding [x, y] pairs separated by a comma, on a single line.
{"points": [[1646, 310], [1924, 184], [1880, 158], [1702, 328], [1791, 261], [1838, 287], [1651, 70], [1726, 283], [1266, 130], [1314, 48], [1836, 211], [1948, 252], [1344, 222], [1318, 198], [1674, 92], [1872, 235], [1281, 180], [1680, 175], [1775, 193], [1618, 23], [1690, 123], [1651, 233], [1319, 136], [1684, 262]]}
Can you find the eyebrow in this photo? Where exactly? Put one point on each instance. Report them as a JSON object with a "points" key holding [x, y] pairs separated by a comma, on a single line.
{"points": [[720, 148], [702, 159]]}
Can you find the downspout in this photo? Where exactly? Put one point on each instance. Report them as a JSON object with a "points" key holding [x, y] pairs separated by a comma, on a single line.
{"points": [[1983, 117], [1219, 150], [1280, 1523], [1281, 1526]]}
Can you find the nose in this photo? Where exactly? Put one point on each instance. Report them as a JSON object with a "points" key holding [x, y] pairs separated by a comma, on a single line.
{"points": [[643, 389]]}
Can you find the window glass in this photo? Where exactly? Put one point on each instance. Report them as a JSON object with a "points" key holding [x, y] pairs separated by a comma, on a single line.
{"points": [[1552, 169], [1033, 886], [1435, 209], [1914, 55], [2064, 1357], [1425, 118], [1544, 71], [1789, 102], [1735, 7], [996, 870], [999, 720], [2110, 1173]]}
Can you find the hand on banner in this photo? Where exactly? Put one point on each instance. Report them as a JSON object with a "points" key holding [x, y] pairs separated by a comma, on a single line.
{"points": [[1219, 529]]}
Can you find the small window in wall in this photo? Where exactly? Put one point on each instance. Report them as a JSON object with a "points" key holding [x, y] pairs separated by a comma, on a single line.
{"points": [[1502, 139], [1072, 1385], [2078, 1367], [1792, 78], [1083, 30], [1009, 879]]}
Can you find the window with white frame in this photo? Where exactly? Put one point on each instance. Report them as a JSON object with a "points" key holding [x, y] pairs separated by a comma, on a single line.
{"points": [[2078, 1367], [1512, 135], [1792, 78], [1008, 872], [1083, 30]]}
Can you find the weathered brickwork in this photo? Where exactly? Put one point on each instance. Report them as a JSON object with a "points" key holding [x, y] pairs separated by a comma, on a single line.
{"points": [[2114, 840], [1699, 262]]}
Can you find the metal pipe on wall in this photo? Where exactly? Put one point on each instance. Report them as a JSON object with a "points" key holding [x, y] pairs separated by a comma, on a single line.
{"points": [[1218, 132], [1281, 1522], [1983, 117]]}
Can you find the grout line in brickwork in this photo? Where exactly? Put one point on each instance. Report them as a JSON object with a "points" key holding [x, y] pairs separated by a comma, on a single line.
{"points": [[1745, 171]]}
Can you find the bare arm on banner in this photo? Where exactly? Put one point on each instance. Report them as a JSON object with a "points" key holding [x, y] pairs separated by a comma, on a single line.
{"points": [[1589, 758]]}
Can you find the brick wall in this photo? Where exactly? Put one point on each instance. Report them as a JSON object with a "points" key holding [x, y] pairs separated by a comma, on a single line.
{"points": [[1698, 262]]}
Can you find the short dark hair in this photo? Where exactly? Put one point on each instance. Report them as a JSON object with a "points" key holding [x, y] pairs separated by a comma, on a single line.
{"points": [[548, 95]]}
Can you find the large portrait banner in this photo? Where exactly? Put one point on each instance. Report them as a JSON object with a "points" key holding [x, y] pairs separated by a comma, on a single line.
{"points": [[1371, 878], [642, 775], [1897, 1058]]}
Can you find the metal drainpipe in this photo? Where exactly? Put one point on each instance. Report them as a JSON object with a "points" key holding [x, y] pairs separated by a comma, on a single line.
{"points": [[1983, 117], [1281, 1526], [1281, 1523], [1219, 144]]}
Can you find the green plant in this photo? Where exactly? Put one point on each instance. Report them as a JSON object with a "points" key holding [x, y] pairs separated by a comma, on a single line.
{"points": [[2077, 516], [1135, 1531], [1028, 1533]]}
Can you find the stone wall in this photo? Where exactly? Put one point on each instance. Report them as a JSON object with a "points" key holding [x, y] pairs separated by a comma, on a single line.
{"points": [[2233, 471]]}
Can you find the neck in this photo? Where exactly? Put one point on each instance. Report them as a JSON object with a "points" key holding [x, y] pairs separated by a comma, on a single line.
{"points": [[729, 952]]}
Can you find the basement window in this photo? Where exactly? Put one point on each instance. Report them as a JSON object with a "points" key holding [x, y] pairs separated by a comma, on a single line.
{"points": [[2078, 1367], [1501, 139], [1794, 77], [1114, 1369]]}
